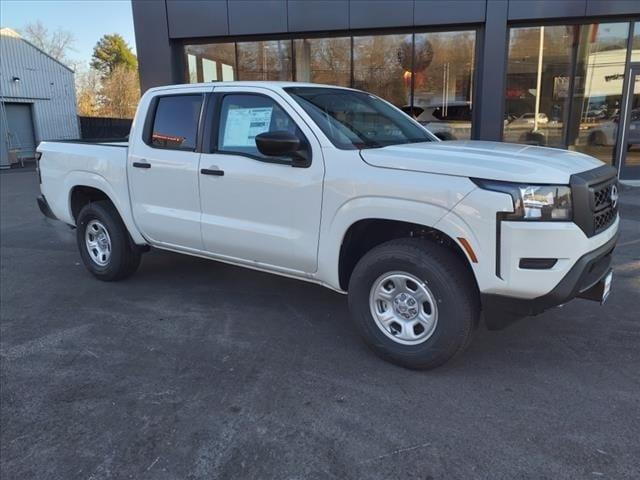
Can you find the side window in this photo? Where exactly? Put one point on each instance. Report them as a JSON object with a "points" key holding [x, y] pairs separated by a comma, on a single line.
{"points": [[243, 116], [175, 125]]}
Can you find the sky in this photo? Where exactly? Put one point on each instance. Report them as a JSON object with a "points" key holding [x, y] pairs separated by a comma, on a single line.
{"points": [[88, 20]]}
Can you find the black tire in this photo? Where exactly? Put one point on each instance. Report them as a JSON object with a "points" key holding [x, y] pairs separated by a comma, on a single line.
{"points": [[597, 139], [453, 288], [125, 255]]}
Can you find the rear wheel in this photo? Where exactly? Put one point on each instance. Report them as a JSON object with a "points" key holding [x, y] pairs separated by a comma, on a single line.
{"points": [[104, 242], [597, 139], [414, 302]]}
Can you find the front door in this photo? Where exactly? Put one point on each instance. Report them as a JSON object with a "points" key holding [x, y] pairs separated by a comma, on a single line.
{"points": [[257, 209], [629, 134], [163, 172]]}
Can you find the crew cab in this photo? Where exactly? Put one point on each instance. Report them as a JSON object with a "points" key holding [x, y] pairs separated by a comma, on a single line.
{"points": [[338, 187]]}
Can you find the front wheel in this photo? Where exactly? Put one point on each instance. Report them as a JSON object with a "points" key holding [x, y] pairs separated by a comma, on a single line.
{"points": [[104, 243], [414, 302]]}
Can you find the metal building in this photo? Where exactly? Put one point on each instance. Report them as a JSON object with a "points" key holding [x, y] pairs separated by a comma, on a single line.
{"points": [[37, 99], [559, 73]]}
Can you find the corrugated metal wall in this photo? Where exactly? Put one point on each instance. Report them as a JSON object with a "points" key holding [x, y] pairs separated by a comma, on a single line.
{"points": [[44, 82]]}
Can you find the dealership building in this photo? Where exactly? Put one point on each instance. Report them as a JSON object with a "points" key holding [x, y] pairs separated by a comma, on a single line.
{"points": [[560, 73]]}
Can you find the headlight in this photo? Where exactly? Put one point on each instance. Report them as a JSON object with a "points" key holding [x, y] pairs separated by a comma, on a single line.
{"points": [[534, 202]]}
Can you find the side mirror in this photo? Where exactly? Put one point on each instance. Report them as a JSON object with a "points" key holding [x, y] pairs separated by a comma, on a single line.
{"points": [[277, 144], [282, 144]]}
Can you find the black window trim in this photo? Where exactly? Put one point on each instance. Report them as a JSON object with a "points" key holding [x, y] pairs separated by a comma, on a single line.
{"points": [[151, 117], [213, 121]]}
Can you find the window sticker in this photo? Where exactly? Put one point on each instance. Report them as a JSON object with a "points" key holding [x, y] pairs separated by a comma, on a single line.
{"points": [[243, 124]]}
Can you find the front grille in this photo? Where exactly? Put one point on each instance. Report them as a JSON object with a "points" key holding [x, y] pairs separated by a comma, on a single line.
{"points": [[602, 197], [602, 220], [604, 210], [593, 193]]}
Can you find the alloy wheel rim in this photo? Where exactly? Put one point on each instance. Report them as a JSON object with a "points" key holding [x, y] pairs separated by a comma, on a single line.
{"points": [[98, 242], [403, 307]]}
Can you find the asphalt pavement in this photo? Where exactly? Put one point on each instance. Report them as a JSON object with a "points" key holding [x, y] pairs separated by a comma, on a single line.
{"points": [[193, 369]]}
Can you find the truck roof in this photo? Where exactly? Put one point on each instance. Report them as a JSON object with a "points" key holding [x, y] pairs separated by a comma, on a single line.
{"points": [[261, 83]]}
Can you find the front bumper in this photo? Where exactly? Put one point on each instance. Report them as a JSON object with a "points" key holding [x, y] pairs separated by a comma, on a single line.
{"points": [[580, 281]]}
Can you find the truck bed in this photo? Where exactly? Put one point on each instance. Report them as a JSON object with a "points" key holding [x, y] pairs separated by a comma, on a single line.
{"points": [[102, 165]]}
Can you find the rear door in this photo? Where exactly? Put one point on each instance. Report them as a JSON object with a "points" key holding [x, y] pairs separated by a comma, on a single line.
{"points": [[258, 209], [163, 170]]}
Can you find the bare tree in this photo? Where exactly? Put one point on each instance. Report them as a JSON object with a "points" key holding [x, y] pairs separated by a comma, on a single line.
{"points": [[119, 93], [88, 92], [57, 43]]}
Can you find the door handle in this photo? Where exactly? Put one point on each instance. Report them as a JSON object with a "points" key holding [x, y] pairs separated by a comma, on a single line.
{"points": [[141, 165], [212, 171]]}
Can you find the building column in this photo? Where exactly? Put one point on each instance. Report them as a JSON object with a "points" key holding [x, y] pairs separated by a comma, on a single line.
{"points": [[488, 114], [160, 61]]}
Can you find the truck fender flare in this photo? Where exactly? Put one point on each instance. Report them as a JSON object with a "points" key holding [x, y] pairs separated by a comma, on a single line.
{"points": [[78, 178], [366, 208]]}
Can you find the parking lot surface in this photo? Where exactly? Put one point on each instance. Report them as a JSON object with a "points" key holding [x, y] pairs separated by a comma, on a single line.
{"points": [[195, 369]]}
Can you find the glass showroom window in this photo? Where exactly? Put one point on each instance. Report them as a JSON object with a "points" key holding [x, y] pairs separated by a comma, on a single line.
{"points": [[538, 81], [269, 60], [443, 67], [382, 65], [600, 70], [635, 44], [211, 62], [324, 60]]}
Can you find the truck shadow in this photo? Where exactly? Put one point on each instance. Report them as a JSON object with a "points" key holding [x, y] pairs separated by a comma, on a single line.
{"points": [[578, 332]]}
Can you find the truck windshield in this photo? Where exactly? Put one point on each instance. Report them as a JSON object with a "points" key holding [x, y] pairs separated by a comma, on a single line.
{"points": [[356, 120]]}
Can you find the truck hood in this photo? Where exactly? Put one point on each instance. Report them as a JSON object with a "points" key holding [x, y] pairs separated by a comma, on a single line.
{"points": [[491, 160]]}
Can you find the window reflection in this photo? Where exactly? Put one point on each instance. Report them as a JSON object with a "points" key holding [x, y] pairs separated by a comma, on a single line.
{"points": [[211, 62], [600, 70], [439, 67], [324, 60], [175, 123], [269, 60], [538, 82], [382, 65], [631, 164], [635, 45], [631, 156], [443, 82]]}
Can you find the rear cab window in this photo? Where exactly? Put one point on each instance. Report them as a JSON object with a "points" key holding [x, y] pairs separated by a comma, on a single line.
{"points": [[175, 122]]}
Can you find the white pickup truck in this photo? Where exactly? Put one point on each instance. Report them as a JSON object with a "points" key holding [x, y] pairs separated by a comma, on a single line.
{"points": [[338, 187]]}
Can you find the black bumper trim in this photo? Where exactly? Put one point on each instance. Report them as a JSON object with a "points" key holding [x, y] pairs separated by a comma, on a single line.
{"points": [[500, 310], [43, 205]]}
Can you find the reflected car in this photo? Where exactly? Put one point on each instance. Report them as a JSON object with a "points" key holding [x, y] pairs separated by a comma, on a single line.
{"points": [[508, 118], [633, 140], [605, 133], [528, 119], [448, 122]]}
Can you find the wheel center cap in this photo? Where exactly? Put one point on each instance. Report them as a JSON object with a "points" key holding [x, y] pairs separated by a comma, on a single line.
{"points": [[405, 305]]}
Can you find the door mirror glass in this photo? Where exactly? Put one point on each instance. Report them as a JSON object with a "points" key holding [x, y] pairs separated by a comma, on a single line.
{"points": [[277, 144]]}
